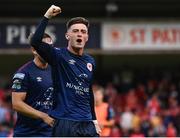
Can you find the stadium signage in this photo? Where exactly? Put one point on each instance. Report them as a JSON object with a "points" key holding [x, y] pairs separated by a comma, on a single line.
{"points": [[15, 35], [141, 36]]}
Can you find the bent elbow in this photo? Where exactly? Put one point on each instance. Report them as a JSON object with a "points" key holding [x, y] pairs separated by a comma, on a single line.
{"points": [[16, 106]]}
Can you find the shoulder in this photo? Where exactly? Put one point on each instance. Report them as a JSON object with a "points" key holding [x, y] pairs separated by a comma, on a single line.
{"points": [[59, 51], [89, 58], [25, 67], [57, 48], [22, 71], [105, 105]]}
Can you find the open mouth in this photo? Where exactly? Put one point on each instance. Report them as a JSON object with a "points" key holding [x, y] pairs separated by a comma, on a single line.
{"points": [[79, 40]]}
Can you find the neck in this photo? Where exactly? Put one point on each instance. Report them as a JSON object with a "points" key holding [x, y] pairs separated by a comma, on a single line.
{"points": [[42, 65], [76, 51]]}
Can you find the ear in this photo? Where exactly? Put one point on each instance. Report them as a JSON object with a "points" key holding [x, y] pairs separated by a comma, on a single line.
{"points": [[67, 36], [33, 51], [87, 38]]}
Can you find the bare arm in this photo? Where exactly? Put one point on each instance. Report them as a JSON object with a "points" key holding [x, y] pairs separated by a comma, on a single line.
{"points": [[20, 106]]}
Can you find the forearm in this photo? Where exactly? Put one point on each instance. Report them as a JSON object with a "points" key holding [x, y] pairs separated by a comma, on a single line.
{"points": [[36, 40], [45, 50], [92, 106], [28, 111]]}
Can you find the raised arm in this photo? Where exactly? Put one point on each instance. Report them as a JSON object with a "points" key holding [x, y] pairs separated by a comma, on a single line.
{"points": [[44, 50]]}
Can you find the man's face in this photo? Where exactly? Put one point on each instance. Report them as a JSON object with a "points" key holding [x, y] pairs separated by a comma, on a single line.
{"points": [[77, 35], [98, 95]]}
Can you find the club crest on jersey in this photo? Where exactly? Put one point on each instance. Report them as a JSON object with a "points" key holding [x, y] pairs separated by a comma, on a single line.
{"points": [[89, 66]]}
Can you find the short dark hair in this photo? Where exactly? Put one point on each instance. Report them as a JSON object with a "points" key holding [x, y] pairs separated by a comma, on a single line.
{"points": [[46, 35], [77, 20]]}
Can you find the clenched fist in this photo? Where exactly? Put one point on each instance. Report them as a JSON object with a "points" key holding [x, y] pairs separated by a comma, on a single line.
{"points": [[52, 11]]}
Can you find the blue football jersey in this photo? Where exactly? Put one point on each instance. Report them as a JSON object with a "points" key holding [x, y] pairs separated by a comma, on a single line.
{"points": [[38, 86], [73, 75]]}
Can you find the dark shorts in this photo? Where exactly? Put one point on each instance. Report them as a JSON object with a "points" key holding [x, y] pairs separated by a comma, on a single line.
{"points": [[68, 128]]}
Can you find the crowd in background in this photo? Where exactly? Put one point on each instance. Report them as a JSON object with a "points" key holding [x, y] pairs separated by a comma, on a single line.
{"points": [[7, 115], [144, 104]]}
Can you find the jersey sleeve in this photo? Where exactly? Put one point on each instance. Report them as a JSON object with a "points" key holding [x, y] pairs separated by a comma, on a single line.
{"points": [[20, 82], [46, 51]]}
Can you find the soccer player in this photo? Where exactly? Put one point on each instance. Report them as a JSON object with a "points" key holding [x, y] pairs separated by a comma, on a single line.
{"points": [[72, 76], [32, 97]]}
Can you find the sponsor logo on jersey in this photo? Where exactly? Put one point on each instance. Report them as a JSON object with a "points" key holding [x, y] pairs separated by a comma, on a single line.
{"points": [[47, 100], [19, 76], [16, 84], [78, 89]]}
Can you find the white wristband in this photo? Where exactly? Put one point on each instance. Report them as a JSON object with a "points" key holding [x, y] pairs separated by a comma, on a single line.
{"points": [[95, 121]]}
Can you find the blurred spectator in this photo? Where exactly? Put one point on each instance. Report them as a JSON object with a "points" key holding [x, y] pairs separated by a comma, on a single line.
{"points": [[158, 128], [136, 120], [126, 121], [173, 91], [154, 105], [104, 113], [6, 116], [141, 94], [171, 130], [132, 100], [110, 93]]}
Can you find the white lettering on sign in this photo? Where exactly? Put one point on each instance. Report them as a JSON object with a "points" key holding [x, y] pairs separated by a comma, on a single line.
{"points": [[140, 36], [19, 34]]}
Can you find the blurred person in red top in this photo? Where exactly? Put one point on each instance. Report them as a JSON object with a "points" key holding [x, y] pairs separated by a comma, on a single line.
{"points": [[104, 113], [141, 94], [154, 105], [171, 130], [132, 100]]}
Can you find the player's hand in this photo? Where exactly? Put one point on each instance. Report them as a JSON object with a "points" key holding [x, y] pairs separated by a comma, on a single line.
{"points": [[52, 11], [48, 120], [98, 129]]}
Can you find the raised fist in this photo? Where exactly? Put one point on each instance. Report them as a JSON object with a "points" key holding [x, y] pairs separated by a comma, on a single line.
{"points": [[52, 11]]}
